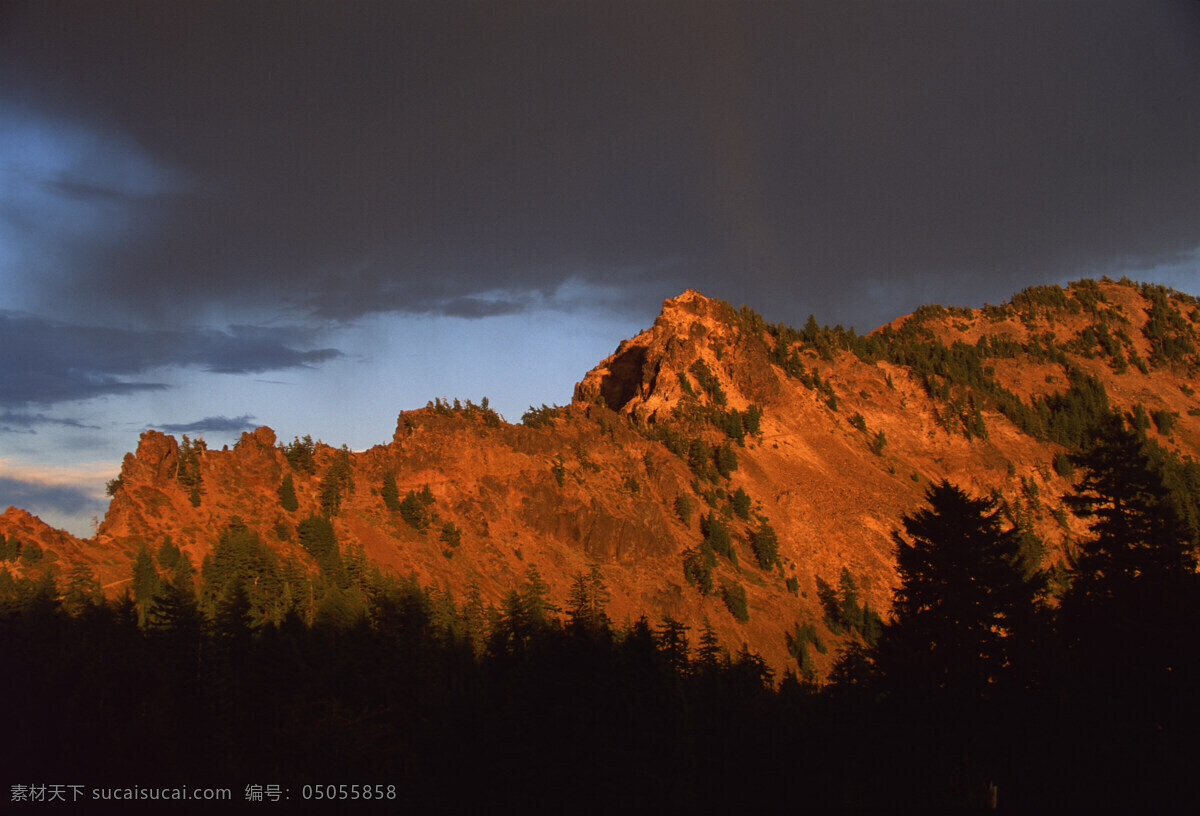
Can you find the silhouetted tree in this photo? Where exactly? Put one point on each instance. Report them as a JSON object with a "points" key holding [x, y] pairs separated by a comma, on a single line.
{"points": [[964, 597], [710, 655], [1134, 583], [586, 601]]}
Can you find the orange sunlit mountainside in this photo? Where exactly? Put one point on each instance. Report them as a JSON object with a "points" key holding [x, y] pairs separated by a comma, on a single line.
{"points": [[935, 514]]}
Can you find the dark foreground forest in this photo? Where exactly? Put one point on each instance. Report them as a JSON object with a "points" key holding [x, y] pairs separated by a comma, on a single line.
{"points": [[990, 683]]}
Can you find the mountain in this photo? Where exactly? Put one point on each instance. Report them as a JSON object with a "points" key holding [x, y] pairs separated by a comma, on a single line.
{"points": [[690, 458]]}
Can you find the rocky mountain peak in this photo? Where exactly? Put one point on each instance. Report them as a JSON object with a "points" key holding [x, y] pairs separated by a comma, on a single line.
{"points": [[154, 462], [695, 343]]}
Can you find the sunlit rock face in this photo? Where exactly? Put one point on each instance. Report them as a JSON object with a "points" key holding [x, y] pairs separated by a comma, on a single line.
{"points": [[845, 445]]}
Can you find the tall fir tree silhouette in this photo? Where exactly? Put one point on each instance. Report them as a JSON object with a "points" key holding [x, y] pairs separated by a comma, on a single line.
{"points": [[963, 597], [1130, 607]]}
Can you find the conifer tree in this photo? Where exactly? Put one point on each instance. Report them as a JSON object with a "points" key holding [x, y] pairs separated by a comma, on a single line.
{"points": [[287, 494], [81, 590], [672, 641], [850, 614], [586, 601], [963, 600], [535, 597], [765, 544], [1135, 581], [389, 493], [740, 502], [726, 460], [710, 655], [578, 603], [145, 582], [176, 619], [169, 554], [474, 614], [233, 621]]}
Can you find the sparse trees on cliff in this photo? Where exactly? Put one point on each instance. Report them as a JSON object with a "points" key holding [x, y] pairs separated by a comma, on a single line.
{"points": [[299, 454], [416, 508], [734, 596], [188, 470], [318, 539], [337, 483], [726, 460], [683, 508], [698, 567]]}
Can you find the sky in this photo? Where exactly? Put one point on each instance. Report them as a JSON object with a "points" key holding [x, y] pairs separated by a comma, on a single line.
{"points": [[313, 215]]}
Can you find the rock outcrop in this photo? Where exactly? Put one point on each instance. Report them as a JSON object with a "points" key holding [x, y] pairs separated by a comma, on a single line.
{"points": [[827, 437]]}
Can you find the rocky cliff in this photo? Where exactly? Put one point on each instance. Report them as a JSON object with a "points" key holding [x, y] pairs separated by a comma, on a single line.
{"points": [[824, 437]]}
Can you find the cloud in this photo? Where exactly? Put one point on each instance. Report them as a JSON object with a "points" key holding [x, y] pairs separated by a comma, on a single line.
{"points": [[66, 491], [23, 422], [213, 424], [47, 361], [33, 496], [789, 155], [250, 350]]}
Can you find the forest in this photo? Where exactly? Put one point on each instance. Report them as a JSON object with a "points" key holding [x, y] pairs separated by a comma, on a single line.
{"points": [[987, 682]]}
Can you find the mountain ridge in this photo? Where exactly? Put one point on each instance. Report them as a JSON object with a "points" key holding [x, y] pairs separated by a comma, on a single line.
{"points": [[820, 435]]}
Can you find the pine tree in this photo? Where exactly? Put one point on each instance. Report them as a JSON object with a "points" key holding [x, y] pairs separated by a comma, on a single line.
{"points": [[145, 582], [850, 614], [337, 483], [740, 502], [169, 554], [710, 655], [726, 460], [82, 590], [578, 603], [698, 566], [765, 545], [672, 642], [586, 601], [287, 494], [474, 615], [389, 493], [1134, 582], [234, 619], [535, 597], [187, 471], [1137, 526], [176, 619], [964, 597]]}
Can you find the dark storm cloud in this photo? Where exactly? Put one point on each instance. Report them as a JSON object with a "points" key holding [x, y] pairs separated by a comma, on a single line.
{"points": [[840, 158], [23, 422], [213, 424], [15, 492], [46, 361]]}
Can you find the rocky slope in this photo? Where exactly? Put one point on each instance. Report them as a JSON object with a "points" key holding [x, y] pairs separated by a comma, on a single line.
{"points": [[831, 436]]}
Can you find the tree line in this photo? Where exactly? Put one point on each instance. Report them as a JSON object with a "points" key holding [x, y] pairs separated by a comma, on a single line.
{"points": [[982, 685]]}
